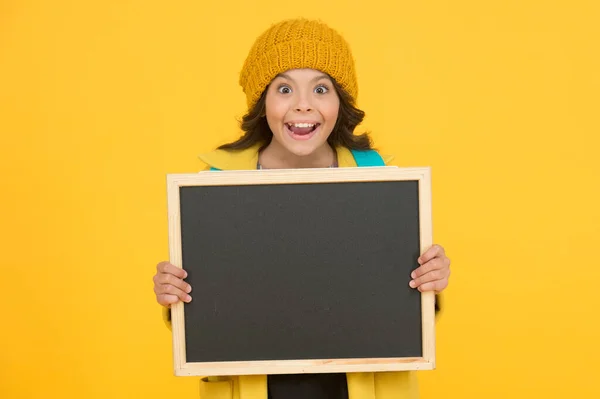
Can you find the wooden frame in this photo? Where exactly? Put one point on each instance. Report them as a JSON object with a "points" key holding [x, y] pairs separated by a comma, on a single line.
{"points": [[296, 176]]}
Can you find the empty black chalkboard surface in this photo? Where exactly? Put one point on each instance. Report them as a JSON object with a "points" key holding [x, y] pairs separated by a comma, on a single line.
{"points": [[301, 271]]}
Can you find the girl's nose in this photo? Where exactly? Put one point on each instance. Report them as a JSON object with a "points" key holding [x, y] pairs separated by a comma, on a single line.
{"points": [[303, 108], [303, 104]]}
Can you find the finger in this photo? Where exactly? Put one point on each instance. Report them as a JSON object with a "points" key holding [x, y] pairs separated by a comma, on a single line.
{"points": [[167, 300], [434, 264], [169, 279], [172, 290], [433, 252], [166, 267], [429, 277], [436, 286]]}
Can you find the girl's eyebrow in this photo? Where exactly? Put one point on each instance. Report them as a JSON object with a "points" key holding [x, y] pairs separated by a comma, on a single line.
{"points": [[286, 76]]}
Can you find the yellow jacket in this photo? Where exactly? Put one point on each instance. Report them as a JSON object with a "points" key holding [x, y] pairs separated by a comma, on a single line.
{"points": [[380, 385]]}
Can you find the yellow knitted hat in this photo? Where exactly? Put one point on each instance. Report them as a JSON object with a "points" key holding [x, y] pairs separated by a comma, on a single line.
{"points": [[294, 44]]}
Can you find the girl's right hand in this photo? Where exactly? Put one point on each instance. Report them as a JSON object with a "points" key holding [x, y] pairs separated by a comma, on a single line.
{"points": [[169, 286]]}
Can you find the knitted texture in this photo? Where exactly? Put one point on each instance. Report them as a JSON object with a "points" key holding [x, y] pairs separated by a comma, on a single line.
{"points": [[295, 44]]}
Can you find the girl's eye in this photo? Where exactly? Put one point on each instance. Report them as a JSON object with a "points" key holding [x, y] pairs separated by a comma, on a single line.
{"points": [[284, 89], [321, 89]]}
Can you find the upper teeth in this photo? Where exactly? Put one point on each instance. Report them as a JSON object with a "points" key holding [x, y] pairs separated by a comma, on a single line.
{"points": [[303, 124]]}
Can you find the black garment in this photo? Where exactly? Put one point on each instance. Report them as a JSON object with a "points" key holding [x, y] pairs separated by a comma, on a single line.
{"points": [[308, 386]]}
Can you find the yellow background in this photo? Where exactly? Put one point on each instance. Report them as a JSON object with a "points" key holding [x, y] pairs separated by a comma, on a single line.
{"points": [[99, 100]]}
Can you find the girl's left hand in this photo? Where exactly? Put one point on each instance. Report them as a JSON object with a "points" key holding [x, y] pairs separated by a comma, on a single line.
{"points": [[434, 271]]}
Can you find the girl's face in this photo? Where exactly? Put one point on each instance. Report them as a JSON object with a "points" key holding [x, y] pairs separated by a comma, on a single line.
{"points": [[302, 109]]}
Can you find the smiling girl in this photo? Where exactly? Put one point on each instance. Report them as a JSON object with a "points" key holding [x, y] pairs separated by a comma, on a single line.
{"points": [[300, 84]]}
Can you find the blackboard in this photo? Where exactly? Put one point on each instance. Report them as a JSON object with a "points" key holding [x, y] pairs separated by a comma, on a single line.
{"points": [[301, 271]]}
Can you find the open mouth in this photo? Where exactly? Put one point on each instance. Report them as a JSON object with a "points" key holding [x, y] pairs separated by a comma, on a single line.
{"points": [[302, 131]]}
